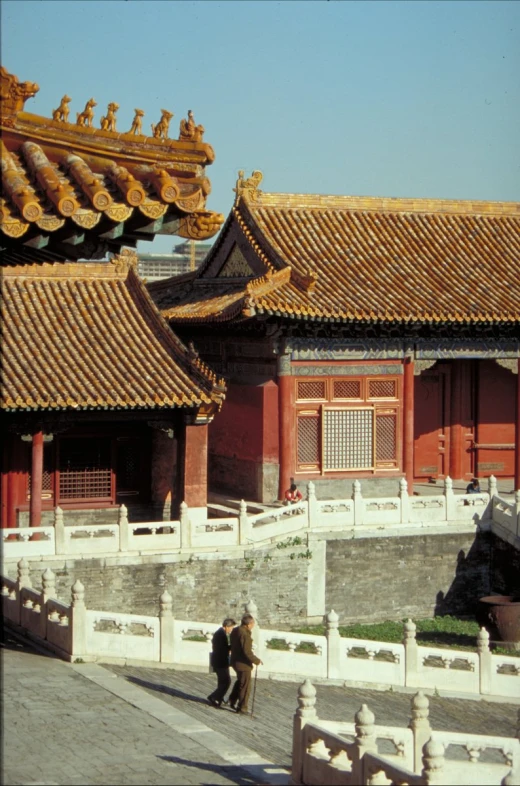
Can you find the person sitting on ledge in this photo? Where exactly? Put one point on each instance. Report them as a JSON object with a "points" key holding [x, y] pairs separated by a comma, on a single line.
{"points": [[473, 487], [292, 495]]}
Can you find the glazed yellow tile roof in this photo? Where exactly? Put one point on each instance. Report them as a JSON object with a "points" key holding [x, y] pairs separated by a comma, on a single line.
{"points": [[368, 259], [88, 336]]}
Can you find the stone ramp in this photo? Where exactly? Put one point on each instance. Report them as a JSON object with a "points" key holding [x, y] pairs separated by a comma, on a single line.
{"points": [[269, 733], [85, 724]]}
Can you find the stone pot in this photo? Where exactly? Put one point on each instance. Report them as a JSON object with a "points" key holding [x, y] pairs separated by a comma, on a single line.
{"points": [[500, 615]]}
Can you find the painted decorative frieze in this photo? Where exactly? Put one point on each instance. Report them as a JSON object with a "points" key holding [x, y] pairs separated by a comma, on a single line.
{"points": [[340, 349], [446, 349], [360, 369]]}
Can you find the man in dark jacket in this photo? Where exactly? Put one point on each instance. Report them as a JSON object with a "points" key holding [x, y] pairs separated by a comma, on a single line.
{"points": [[242, 660], [220, 661]]}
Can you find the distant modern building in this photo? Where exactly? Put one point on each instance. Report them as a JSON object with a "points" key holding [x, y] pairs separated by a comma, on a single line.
{"points": [[183, 258]]}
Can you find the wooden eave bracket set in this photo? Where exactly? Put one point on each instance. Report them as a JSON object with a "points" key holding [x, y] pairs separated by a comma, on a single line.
{"points": [[65, 169]]}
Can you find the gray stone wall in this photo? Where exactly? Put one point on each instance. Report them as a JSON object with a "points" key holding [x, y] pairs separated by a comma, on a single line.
{"points": [[414, 576], [505, 568], [202, 589], [366, 579], [257, 481]]}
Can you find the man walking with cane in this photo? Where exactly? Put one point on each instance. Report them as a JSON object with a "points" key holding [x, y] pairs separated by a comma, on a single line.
{"points": [[220, 661], [242, 660]]}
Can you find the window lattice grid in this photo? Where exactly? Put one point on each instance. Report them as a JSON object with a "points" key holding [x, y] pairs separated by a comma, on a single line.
{"points": [[386, 437], [347, 388], [382, 388], [314, 389], [308, 440], [348, 439], [85, 484]]}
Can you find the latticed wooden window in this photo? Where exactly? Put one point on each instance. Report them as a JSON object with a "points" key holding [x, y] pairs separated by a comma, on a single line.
{"points": [[348, 439], [386, 437], [85, 469], [309, 440], [347, 388], [382, 388], [313, 389]]}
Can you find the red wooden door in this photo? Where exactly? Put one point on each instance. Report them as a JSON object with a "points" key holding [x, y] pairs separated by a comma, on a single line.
{"points": [[431, 426]]}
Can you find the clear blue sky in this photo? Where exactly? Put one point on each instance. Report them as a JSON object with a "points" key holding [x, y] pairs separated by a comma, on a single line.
{"points": [[411, 99]]}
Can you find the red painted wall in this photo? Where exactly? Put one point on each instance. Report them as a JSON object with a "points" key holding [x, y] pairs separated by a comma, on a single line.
{"points": [[247, 425]]}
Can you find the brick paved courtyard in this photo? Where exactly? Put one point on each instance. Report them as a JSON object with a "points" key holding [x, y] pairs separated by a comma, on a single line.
{"points": [[90, 724]]}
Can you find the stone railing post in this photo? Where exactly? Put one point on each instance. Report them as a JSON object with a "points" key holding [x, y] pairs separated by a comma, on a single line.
{"points": [[365, 741], [405, 502], [306, 713], [450, 498], [251, 608], [185, 526], [312, 506], [411, 654], [420, 726], [485, 673], [358, 503], [60, 546], [167, 628], [433, 763], [124, 540], [244, 525], [333, 645], [22, 574], [78, 621], [48, 591], [492, 487]]}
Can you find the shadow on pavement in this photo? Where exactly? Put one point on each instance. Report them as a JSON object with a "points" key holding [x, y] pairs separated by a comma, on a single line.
{"points": [[160, 688], [254, 776]]}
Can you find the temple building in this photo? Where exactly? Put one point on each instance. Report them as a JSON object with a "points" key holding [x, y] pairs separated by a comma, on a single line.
{"points": [[101, 403], [361, 338]]}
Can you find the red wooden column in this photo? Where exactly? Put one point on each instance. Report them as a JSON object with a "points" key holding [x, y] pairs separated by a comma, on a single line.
{"points": [[287, 422], [193, 455], [517, 430], [35, 505], [408, 421], [456, 471]]}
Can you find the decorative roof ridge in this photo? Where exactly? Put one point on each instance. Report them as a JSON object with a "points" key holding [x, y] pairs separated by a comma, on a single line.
{"points": [[216, 246], [69, 270], [387, 204], [269, 282]]}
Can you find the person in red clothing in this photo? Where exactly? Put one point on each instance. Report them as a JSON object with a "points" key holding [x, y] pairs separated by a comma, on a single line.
{"points": [[292, 495]]}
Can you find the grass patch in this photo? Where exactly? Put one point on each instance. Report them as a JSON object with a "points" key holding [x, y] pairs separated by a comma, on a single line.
{"points": [[446, 631]]}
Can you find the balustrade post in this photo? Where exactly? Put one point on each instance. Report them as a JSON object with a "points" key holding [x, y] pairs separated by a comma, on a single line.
{"points": [[405, 501], [48, 591], [358, 503], [60, 546], [124, 539], [167, 627], [185, 526], [306, 713], [485, 661], [492, 487], [411, 654], [312, 506], [420, 726], [333, 645], [244, 525], [365, 741], [23, 578], [78, 621], [450, 498], [433, 763]]}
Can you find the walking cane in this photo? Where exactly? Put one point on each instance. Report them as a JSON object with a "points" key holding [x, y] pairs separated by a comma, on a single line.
{"points": [[254, 693]]}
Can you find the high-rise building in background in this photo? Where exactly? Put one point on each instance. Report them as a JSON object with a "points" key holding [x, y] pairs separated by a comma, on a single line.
{"points": [[183, 258]]}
